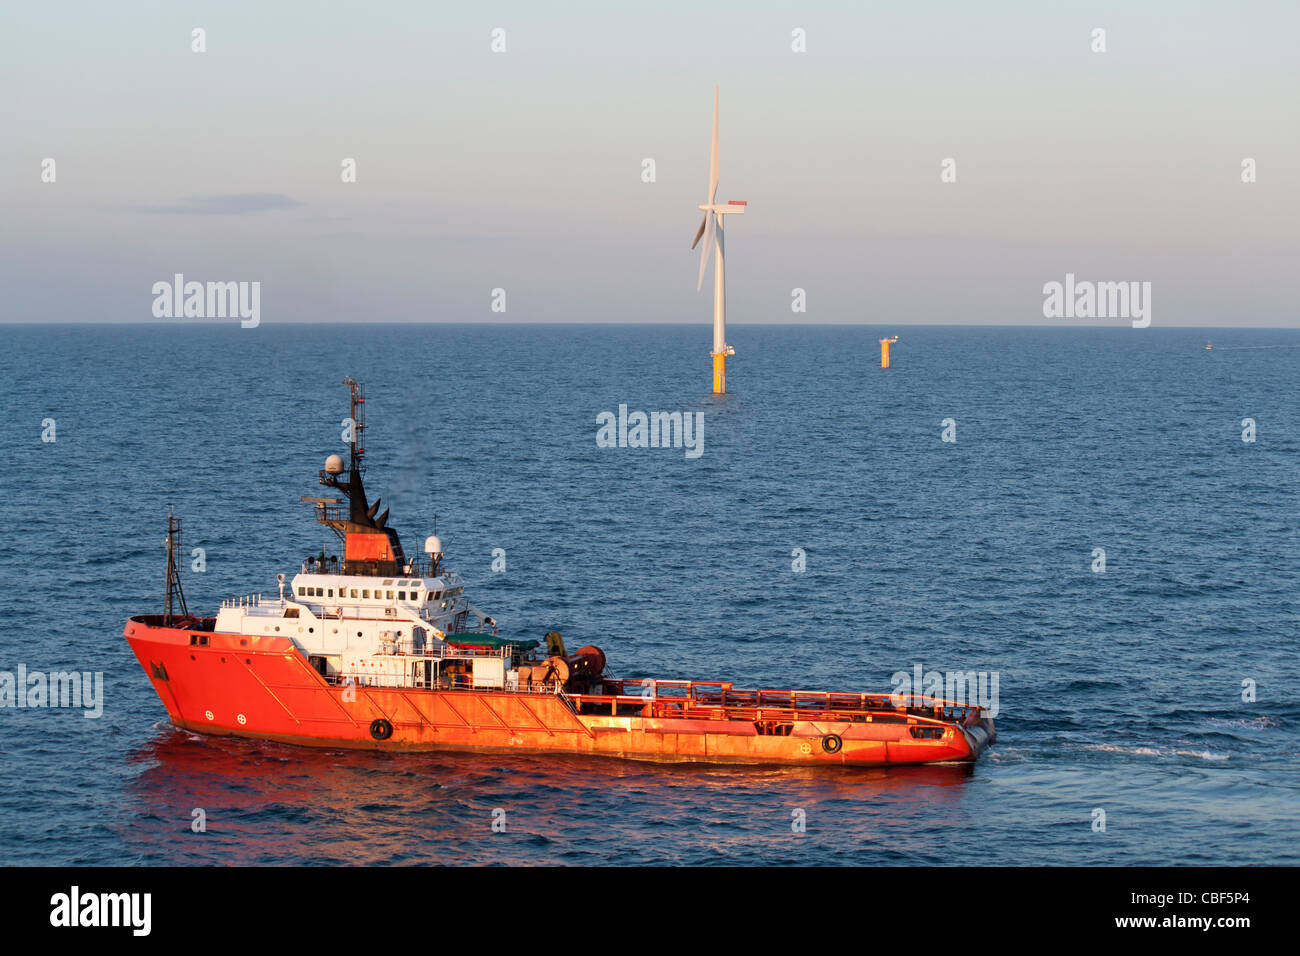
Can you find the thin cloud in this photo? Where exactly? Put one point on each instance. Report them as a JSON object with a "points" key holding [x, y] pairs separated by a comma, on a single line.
{"points": [[235, 204]]}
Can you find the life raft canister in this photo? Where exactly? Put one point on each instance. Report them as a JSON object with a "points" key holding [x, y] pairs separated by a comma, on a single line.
{"points": [[831, 743], [381, 729]]}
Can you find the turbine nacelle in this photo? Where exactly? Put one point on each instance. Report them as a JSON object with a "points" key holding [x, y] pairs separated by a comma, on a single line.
{"points": [[722, 209], [711, 227]]}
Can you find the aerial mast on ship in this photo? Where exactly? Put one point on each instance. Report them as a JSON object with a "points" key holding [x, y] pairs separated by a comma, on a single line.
{"points": [[174, 591], [369, 545]]}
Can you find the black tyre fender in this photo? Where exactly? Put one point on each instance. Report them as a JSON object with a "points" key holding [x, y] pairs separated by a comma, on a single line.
{"points": [[832, 743], [381, 729]]}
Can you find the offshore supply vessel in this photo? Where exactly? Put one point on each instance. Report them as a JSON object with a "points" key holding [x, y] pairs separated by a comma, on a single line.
{"points": [[382, 650]]}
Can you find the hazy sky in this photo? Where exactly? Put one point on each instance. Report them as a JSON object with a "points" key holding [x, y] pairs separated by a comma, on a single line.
{"points": [[522, 170]]}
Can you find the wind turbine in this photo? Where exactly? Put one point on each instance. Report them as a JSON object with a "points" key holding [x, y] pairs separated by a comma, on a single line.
{"points": [[711, 230]]}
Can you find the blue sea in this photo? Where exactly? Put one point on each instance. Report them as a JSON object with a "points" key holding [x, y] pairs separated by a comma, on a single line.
{"points": [[1160, 692]]}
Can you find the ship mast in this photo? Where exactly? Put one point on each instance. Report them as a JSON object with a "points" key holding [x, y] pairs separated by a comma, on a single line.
{"points": [[356, 467], [370, 546], [173, 591]]}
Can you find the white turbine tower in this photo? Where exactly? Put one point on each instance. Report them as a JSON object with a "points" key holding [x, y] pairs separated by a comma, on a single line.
{"points": [[711, 230]]}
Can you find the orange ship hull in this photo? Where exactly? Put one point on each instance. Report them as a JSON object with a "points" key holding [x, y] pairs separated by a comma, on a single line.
{"points": [[263, 687]]}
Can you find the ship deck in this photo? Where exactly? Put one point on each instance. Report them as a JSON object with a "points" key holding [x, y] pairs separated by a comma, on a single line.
{"points": [[719, 700]]}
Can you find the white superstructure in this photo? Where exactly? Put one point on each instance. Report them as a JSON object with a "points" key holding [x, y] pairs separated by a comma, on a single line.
{"points": [[374, 629]]}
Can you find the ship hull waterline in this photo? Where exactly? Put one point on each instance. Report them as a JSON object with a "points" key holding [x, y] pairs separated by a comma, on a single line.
{"points": [[262, 687]]}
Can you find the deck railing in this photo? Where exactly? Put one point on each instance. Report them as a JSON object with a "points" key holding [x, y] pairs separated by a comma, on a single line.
{"points": [[694, 700], [456, 682], [720, 700]]}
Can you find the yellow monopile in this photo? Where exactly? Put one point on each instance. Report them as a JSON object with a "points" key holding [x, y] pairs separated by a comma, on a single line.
{"points": [[884, 351]]}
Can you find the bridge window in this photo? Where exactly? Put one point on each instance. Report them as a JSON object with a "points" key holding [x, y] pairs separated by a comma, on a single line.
{"points": [[354, 592], [401, 595]]}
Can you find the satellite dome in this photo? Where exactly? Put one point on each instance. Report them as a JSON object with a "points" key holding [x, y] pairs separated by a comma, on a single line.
{"points": [[432, 545], [334, 465]]}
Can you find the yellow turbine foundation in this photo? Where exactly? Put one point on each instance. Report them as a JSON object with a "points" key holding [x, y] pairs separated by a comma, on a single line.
{"points": [[884, 351], [719, 373]]}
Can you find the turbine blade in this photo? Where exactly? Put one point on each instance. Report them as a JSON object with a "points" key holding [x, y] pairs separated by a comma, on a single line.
{"points": [[701, 230], [710, 220], [713, 154]]}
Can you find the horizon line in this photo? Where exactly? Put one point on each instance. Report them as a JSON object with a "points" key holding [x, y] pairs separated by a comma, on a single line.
{"points": [[234, 323]]}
